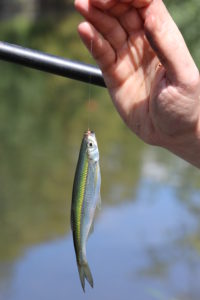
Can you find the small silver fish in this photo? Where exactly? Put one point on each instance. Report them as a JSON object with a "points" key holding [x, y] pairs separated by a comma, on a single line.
{"points": [[85, 197]]}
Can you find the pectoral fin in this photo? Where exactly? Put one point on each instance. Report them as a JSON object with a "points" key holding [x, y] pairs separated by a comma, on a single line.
{"points": [[91, 229], [99, 202]]}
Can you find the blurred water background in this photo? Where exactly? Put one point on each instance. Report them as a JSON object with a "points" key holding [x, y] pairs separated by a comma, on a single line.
{"points": [[146, 243]]}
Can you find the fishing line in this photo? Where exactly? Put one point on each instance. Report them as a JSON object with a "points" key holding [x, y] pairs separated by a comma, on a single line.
{"points": [[89, 89]]}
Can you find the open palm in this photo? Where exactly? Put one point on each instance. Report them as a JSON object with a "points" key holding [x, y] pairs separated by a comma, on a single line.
{"points": [[146, 65]]}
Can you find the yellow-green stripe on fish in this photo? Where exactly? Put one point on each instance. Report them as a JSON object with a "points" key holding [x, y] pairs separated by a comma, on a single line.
{"points": [[85, 197]]}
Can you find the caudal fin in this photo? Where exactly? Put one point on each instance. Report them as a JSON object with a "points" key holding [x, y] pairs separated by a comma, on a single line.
{"points": [[85, 273]]}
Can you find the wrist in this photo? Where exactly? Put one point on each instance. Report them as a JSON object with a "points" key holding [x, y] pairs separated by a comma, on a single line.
{"points": [[186, 146]]}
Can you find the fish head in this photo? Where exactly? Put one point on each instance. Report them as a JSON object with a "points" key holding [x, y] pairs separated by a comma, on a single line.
{"points": [[92, 147]]}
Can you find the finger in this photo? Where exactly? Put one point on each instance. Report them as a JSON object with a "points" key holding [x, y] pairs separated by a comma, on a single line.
{"points": [[107, 4], [131, 21], [119, 9], [104, 4], [108, 26], [141, 3], [168, 43], [128, 16], [100, 49]]}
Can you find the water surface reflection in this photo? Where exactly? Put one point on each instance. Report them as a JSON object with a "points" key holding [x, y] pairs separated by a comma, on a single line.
{"points": [[139, 248]]}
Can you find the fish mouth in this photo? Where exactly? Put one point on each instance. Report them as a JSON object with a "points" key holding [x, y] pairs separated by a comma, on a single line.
{"points": [[89, 132]]}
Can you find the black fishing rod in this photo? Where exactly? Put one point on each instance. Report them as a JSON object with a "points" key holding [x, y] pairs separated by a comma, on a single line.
{"points": [[51, 64]]}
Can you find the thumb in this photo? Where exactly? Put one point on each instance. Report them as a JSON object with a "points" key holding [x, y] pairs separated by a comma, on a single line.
{"points": [[169, 45]]}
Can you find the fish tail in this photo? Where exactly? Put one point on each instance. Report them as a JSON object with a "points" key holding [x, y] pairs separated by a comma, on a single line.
{"points": [[85, 273]]}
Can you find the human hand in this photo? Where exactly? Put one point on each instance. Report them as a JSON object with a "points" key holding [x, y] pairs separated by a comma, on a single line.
{"points": [[149, 72]]}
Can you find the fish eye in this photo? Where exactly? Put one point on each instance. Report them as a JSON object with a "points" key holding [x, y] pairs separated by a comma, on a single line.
{"points": [[90, 144]]}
